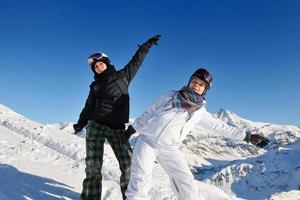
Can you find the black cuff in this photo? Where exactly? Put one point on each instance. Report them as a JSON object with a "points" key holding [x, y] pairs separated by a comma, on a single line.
{"points": [[130, 129], [77, 127]]}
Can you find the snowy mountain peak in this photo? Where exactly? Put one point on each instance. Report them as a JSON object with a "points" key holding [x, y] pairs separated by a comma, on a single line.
{"points": [[233, 119], [15, 121], [223, 111], [227, 116], [5, 111]]}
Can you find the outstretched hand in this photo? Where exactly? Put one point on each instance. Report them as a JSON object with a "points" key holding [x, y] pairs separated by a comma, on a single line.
{"points": [[153, 40], [76, 128], [257, 140], [127, 134]]}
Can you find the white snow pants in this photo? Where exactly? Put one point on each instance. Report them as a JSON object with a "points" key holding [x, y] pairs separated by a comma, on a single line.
{"points": [[172, 161]]}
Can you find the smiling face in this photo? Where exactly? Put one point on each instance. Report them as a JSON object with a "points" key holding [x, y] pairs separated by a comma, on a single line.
{"points": [[197, 85], [100, 67]]}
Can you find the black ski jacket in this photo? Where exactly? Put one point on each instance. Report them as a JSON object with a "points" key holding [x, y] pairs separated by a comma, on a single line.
{"points": [[108, 100]]}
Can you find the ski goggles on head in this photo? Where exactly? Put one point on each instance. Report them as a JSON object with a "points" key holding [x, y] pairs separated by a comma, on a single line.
{"points": [[204, 75], [96, 56], [207, 77]]}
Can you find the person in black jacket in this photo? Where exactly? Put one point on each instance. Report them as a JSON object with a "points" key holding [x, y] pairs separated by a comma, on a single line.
{"points": [[104, 115]]}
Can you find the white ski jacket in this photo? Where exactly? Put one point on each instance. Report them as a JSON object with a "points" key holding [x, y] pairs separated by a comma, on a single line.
{"points": [[169, 126]]}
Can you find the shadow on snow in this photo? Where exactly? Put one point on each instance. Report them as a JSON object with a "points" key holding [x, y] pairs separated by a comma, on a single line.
{"points": [[16, 185]]}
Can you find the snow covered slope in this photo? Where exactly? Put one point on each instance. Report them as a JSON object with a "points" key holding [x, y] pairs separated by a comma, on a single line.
{"points": [[243, 170], [45, 161]]}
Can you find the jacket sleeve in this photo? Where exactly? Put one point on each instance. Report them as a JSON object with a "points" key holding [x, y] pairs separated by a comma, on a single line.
{"points": [[219, 128], [151, 112], [87, 110], [134, 64]]}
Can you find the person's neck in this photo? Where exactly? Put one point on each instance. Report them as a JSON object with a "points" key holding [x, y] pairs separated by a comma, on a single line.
{"points": [[105, 74]]}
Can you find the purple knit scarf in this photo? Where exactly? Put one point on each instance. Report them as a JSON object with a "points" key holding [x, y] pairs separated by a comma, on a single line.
{"points": [[187, 99]]}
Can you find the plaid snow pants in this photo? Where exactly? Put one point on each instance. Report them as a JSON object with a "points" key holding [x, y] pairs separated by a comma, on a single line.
{"points": [[95, 138]]}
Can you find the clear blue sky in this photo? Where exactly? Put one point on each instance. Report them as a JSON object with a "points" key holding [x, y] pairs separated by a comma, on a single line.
{"points": [[252, 47]]}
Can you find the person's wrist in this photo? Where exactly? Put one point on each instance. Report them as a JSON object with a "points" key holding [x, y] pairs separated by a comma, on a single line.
{"points": [[77, 128], [130, 130]]}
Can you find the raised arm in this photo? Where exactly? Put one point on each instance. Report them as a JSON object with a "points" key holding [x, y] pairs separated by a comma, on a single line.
{"points": [[134, 64]]}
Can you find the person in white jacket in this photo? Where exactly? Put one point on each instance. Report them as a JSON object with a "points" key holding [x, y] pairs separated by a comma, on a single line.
{"points": [[164, 126]]}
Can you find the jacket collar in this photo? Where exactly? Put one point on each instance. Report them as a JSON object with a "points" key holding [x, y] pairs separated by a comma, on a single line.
{"points": [[105, 75]]}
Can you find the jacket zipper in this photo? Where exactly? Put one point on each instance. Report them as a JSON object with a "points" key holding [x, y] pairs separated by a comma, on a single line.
{"points": [[186, 120], [165, 127]]}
